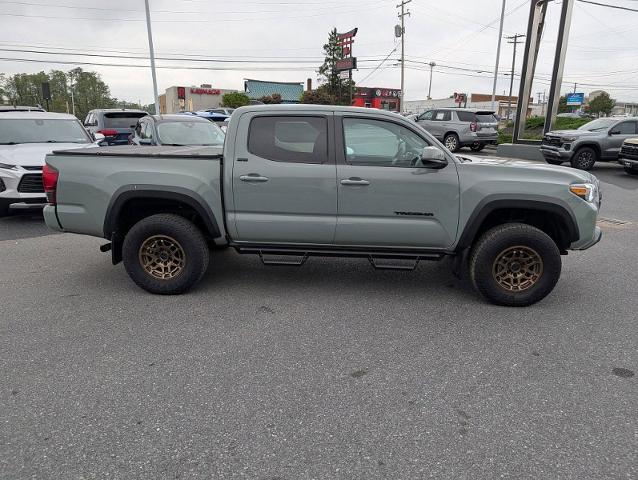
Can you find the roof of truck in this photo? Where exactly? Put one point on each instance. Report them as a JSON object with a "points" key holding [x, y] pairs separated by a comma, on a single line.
{"points": [[292, 108], [35, 115]]}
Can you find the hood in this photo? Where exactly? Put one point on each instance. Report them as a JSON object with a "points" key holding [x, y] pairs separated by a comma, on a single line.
{"points": [[32, 154], [633, 141], [571, 133], [530, 165]]}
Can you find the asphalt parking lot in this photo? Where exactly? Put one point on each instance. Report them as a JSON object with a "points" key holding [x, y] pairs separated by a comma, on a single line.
{"points": [[329, 371]]}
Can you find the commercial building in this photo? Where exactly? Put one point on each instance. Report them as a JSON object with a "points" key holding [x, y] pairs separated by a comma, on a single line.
{"points": [[180, 99], [290, 91], [378, 97]]}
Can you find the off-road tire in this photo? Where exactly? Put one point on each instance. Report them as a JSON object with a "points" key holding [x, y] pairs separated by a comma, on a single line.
{"points": [[503, 238], [630, 171], [584, 158], [477, 147], [170, 229], [451, 141]]}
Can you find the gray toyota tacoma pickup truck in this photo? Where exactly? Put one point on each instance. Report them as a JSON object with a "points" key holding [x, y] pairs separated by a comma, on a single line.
{"points": [[293, 181]]}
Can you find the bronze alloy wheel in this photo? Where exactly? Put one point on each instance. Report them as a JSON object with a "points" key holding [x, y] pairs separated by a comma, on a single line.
{"points": [[162, 257], [517, 269]]}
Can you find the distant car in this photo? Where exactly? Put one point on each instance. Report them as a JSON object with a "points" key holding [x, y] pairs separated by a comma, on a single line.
{"points": [[461, 127], [20, 108], [25, 139], [598, 140], [116, 124], [569, 115], [628, 156], [177, 129], [223, 111]]}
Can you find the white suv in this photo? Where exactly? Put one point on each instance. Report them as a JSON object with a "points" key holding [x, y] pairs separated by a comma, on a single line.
{"points": [[25, 139]]}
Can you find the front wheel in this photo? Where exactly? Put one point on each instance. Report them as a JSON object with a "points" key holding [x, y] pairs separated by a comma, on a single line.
{"points": [[451, 141], [165, 254], [515, 264], [554, 162], [584, 158], [631, 171]]}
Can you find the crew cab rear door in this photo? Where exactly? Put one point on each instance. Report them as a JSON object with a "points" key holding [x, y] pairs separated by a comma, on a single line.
{"points": [[385, 198], [284, 178]]}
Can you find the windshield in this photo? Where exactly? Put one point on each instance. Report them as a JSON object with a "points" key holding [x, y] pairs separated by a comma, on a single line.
{"points": [[189, 133], [13, 131], [122, 119], [598, 124]]}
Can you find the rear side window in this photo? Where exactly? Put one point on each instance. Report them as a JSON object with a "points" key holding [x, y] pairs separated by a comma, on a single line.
{"points": [[486, 118], [289, 139], [122, 119], [466, 116], [442, 115]]}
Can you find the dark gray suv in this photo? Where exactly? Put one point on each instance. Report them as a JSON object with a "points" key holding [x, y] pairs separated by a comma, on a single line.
{"points": [[116, 124], [461, 127]]}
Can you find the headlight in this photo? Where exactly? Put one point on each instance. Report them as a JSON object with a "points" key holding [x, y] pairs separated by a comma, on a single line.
{"points": [[8, 167], [568, 139], [586, 191]]}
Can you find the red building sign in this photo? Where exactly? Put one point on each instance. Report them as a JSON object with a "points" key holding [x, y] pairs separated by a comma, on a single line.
{"points": [[205, 91], [382, 98]]}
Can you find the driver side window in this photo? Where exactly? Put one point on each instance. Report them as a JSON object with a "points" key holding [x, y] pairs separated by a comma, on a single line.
{"points": [[381, 144], [427, 115]]}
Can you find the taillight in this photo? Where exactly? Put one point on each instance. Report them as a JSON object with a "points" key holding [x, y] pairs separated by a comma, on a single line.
{"points": [[50, 182], [108, 132], [474, 127]]}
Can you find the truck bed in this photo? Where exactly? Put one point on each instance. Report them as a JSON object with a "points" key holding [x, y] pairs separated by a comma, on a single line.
{"points": [[90, 180]]}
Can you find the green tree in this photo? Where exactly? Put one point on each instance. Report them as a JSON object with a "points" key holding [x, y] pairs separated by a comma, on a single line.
{"points": [[562, 105], [235, 100], [275, 98], [602, 104], [337, 88], [319, 96]]}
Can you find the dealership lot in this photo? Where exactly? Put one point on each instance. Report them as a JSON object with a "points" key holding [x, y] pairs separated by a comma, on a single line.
{"points": [[332, 370]]}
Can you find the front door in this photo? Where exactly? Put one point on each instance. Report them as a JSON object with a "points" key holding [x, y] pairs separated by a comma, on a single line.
{"points": [[284, 180], [385, 198], [617, 135]]}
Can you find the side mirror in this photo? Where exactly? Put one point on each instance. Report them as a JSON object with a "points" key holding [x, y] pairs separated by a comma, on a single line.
{"points": [[614, 132], [433, 157], [98, 137]]}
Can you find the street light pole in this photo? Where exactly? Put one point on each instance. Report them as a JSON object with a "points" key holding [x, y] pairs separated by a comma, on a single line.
{"points": [[498, 54], [432, 65], [152, 55], [402, 17], [514, 41]]}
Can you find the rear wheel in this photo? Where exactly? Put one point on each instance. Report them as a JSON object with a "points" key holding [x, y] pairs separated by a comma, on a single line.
{"points": [[165, 254], [477, 146], [515, 265], [451, 141], [584, 158]]}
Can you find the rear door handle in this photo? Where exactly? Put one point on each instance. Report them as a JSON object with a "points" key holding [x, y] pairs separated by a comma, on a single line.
{"points": [[354, 181], [253, 177]]}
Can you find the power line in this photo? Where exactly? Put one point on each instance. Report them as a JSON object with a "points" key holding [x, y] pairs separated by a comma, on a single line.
{"points": [[609, 6]]}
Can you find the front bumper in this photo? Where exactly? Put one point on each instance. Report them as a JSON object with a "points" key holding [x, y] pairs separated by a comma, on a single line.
{"points": [[11, 194], [551, 152], [598, 235], [628, 162]]}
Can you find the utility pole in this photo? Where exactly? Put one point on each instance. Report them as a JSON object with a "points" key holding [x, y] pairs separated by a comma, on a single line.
{"points": [[498, 54], [574, 87], [432, 65], [514, 41], [152, 55], [402, 17]]}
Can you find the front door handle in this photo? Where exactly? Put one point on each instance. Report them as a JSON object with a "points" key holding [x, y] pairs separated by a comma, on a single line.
{"points": [[253, 177], [354, 181]]}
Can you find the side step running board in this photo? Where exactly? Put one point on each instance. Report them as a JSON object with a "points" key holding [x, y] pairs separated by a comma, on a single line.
{"points": [[393, 266], [294, 261]]}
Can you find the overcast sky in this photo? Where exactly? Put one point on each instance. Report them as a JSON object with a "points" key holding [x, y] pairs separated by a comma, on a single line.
{"points": [[459, 35]]}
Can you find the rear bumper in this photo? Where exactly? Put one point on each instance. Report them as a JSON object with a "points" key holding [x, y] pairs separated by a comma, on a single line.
{"points": [[491, 139], [51, 219]]}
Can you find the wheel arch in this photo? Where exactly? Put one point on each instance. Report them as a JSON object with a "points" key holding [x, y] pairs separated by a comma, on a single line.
{"points": [[553, 218]]}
